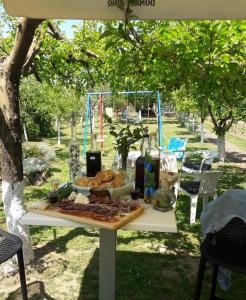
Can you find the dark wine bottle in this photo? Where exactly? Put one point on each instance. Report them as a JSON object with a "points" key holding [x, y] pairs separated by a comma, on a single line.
{"points": [[93, 158], [152, 169], [139, 174]]}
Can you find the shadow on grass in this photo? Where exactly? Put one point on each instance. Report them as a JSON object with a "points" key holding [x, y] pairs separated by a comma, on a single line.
{"points": [[236, 157], [143, 276], [54, 170], [169, 122], [184, 133], [58, 245], [232, 178], [36, 291]]}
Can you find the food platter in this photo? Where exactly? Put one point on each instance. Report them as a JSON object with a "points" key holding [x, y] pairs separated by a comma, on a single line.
{"points": [[99, 210]]}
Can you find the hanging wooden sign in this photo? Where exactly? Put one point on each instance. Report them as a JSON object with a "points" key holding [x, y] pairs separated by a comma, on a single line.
{"points": [[142, 9]]}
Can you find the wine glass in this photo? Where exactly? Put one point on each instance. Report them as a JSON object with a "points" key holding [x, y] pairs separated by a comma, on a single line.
{"points": [[55, 183]]}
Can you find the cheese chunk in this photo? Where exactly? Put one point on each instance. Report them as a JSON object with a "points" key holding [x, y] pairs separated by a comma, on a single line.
{"points": [[72, 196], [81, 199]]}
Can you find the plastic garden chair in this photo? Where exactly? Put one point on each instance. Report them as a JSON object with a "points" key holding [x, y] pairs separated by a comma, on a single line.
{"points": [[204, 185], [225, 248], [198, 161], [9, 246], [177, 147]]}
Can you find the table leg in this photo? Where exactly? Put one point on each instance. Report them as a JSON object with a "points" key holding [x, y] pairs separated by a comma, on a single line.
{"points": [[107, 260]]}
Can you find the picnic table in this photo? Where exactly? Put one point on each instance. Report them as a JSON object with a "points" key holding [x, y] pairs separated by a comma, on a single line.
{"points": [[151, 220]]}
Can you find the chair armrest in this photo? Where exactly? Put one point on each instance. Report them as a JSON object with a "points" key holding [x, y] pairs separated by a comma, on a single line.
{"points": [[208, 158]]}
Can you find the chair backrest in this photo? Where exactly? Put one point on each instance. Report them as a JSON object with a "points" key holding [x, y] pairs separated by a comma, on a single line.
{"points": [[233, 234], [208, 182], [204, 159], [109, 111], [176, 144], [9, 245]]}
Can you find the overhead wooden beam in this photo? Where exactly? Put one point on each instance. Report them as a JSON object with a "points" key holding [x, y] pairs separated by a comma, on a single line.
{"points": [[143, 9]]}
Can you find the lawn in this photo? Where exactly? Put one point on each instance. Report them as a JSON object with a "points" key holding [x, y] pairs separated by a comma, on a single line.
{"points": [[149, 265]]}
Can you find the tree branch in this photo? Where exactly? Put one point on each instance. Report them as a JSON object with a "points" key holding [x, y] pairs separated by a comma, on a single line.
{"points": [[33, 51], [56, 33], [212, 116], [23, 41]]}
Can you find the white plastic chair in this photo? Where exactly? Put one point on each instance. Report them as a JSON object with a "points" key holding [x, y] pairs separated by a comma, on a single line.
{"points": [[131, 159], [205, 187], [203, 165]]}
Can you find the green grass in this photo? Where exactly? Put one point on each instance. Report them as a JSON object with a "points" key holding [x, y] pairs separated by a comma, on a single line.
{"points": [[149, 265]]}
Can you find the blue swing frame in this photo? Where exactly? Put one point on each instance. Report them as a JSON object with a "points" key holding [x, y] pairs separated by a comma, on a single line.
{"points": [[89, 114]]}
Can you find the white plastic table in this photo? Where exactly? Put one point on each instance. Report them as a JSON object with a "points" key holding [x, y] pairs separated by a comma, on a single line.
{"points": [[150, 220]]}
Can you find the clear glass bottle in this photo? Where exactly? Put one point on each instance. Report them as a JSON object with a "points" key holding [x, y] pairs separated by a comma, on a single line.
{"points": [[151, 168], [73, 127], [139, 174], [93, 158], [74, 151]]}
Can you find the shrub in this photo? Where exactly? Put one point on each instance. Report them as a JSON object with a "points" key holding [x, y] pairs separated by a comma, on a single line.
{"points": [[33, 165], [32, 151], [41, 151]]}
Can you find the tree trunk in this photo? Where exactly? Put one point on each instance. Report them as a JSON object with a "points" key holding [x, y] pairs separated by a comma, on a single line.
{"points": [[221, 147], [59, 131], [81, 118], [10, 133], [193, 124], [202, 132], [82, 123]]}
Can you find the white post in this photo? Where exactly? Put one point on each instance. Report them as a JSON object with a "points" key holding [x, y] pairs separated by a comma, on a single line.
{"points": [[25, 132], [59, 131], [193, 124], [82, 123], [221, 147], [202, 132]]}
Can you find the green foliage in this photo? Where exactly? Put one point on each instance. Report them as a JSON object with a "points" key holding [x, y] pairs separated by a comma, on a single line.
{"points": [[40, 151], [203, 59], [36, 108], [41, 104], [32, 151], [184, 101], [125, 137], [216, 69]]}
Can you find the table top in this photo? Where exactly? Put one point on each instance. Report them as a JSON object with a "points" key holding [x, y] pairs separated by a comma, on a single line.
{"points": [[150, 220]]}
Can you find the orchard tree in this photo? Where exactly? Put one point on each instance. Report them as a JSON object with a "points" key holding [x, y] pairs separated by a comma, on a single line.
{"points": [[10, 130], [21, 54], [64, 102], [214, 59]]}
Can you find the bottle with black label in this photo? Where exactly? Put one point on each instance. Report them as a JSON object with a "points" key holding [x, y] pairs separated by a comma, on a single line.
{"points": [[139, 175], [93, 158]]}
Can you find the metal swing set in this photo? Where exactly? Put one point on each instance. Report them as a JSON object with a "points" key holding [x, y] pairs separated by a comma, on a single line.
{"points": [[89, 115]]}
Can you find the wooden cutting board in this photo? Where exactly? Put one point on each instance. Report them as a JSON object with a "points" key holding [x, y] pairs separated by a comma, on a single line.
{"points": [[54, 212]]}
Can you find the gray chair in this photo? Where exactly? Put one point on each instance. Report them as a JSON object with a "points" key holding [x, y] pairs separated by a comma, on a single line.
{"points": [[198, 161]]}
